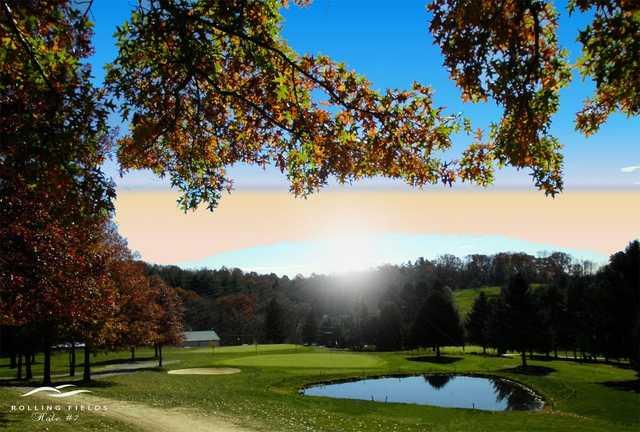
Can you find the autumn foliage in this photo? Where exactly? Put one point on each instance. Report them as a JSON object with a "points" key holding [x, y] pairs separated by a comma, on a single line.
{"points": [[65, 274], [208, 84], [205, 84]]}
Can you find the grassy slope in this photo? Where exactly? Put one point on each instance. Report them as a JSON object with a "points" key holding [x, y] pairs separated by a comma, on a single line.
{"points": [[265, 393], [464, 298]]}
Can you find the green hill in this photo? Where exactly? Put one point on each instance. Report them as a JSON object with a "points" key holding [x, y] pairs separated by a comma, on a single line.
{"points": [[464, 298]]}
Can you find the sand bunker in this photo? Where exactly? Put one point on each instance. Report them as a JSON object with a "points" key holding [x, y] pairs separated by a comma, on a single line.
{"points": [[204, 371]]}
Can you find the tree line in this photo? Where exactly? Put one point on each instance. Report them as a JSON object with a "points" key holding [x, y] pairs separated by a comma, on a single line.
{"points": [[94, 295], [235, 303], [589, 316], [548, 303]]}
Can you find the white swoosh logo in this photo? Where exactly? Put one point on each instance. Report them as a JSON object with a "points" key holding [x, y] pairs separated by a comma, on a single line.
{"points": [[71, 393], [55, 391]]}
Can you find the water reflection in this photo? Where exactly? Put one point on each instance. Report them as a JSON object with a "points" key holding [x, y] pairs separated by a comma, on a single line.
{"points": [[453, 391], [517, 397], [438, 381]]}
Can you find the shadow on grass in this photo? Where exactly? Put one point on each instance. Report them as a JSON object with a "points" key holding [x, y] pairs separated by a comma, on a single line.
{"points": [[4, 420], [541, 358], [434, 359], [488, 354], [530, 370], [120, 361], [579, 360], [630, 386], [38, 383]]}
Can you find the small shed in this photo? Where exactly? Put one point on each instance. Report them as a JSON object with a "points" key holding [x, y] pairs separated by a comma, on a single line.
{"points": [[200, 338]]}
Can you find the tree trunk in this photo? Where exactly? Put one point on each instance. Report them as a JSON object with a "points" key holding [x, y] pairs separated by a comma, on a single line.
{"points": [[46, 372], [19, 367], [159, 355], [524, 359], [86, 376], [133, 353], [28, 371], [555, 352], [484, 349], [438, 351], [72, 360]]}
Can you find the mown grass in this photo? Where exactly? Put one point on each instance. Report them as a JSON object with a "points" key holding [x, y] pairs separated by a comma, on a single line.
{"points": [[265, 394], [464, 298], [308, 360], [11, 421]]}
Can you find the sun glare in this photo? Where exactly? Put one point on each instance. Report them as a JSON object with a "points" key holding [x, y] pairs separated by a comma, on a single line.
{"points": [[345, 253]]}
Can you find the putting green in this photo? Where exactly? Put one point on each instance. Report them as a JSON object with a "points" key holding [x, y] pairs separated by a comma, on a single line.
{"points": [[242, 349], [309, 360]]}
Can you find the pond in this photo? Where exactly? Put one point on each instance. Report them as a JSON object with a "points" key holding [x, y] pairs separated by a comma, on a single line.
{"points": [[451, 391]]}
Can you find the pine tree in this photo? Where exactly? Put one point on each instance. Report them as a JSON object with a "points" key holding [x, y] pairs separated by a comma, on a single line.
{"points": [[438, 322], [310, 328], [389, 329], [477, 322], [274, 322], [520, 316]]}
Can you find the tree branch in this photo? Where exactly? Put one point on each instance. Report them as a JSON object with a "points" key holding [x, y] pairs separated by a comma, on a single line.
{"points": [[24, 42]]}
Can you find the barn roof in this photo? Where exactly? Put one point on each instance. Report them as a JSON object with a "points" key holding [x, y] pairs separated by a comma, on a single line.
{"points": [[200, 336]]}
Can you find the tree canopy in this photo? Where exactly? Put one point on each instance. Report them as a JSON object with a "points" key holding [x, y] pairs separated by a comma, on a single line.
{"points": [[204, 84]]}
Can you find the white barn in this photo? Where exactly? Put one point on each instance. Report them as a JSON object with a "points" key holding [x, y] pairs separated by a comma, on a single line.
{"points": [[200, 338]]}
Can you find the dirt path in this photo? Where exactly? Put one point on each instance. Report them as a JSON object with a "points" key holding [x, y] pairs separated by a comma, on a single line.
{"points": [[155, 419], [160, 419]]}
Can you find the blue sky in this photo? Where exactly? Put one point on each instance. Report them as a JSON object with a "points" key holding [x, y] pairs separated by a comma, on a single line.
{"points": [[389, 43]]}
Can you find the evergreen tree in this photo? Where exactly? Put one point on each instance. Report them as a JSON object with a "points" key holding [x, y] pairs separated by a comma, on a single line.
{"points": [[635, 355], [554, 313], [478, 321], [310, 328], [621, 295], [438, 322], [497, 326], [274, 325], [520, 317], [389, 334]]}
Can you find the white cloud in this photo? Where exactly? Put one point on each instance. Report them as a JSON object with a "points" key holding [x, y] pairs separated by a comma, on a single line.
{"points": [[630, 169]]}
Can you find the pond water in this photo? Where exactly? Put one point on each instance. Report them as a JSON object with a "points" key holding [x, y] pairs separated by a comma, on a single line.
{"points": [[452, 391]]}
